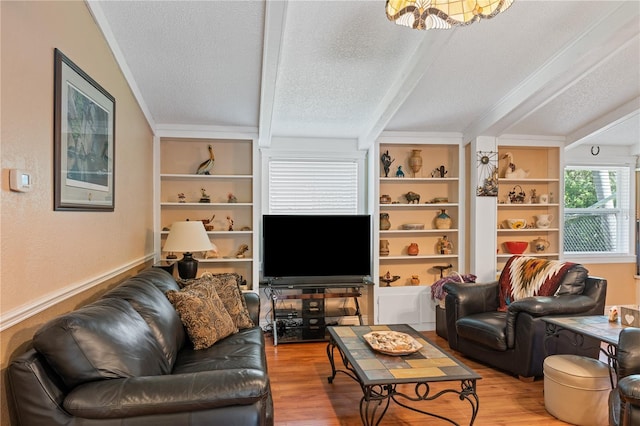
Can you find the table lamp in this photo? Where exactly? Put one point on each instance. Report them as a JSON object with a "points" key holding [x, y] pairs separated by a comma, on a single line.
{"points": [[187, 237]]}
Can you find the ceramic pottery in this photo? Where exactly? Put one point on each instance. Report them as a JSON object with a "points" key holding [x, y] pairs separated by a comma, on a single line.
{"points": [[415, 161], [443, 220]]}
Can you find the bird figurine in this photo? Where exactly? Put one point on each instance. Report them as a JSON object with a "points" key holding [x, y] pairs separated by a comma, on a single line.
{"points": [[512, 172], [205, 167]]}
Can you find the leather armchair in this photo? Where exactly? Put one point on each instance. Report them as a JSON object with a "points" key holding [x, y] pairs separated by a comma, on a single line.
{"points": [[514, 340], [624, 400]]}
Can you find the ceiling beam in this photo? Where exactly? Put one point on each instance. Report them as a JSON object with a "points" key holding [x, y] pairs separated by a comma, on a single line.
{"points": [[604, 123], [275, 20], [598, 43], [424, 57]]}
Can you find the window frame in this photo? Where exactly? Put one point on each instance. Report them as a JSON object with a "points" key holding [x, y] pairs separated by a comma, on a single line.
{"points": [[628, 251]]}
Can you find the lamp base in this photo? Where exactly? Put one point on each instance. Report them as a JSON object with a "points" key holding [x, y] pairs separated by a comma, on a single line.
{"points": [[187, 267]]}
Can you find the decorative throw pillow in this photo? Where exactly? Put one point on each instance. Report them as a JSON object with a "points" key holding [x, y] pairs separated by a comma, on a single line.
{"points": [[203, 314], [525, 276], [227, 287]]}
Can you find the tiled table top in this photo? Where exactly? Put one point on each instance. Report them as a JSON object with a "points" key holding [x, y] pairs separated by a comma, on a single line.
{"points": [[596, 326], [429, 364]]}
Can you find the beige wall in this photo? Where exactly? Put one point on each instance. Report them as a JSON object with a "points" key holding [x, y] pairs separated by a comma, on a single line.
{"points": [[44, 253], [621, 286]]}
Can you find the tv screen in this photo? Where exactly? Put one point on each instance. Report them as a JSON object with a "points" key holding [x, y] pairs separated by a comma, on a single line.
{"points": [[316, 245]]}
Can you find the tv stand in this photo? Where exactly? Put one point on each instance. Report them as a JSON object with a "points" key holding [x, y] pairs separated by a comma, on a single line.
{"points": [[301, 307]]}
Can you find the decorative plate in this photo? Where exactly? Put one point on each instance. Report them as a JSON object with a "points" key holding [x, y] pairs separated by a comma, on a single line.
{"points": [[392, 342]]}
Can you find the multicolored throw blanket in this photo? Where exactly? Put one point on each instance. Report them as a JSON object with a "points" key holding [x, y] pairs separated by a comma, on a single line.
{"points": [[525, 276]]}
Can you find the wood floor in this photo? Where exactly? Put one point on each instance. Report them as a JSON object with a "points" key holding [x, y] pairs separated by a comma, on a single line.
{"points": [[302, 395]]}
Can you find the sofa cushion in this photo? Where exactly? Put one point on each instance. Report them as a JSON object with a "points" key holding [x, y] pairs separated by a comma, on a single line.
{"points": [[104, 340], [156, 310], [203, 314], [244, 349], [525, 276], [228, 289]]}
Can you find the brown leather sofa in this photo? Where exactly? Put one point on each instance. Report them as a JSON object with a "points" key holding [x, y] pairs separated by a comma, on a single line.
{"points": [[127, 360], [514, 340], [624, 400]]}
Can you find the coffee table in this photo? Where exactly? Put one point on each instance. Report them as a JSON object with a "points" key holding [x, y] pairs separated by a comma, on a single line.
{"points": [[379, 374]]}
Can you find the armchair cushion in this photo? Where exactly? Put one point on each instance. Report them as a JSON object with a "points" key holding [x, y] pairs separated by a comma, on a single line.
{"points": [[525, 276]]}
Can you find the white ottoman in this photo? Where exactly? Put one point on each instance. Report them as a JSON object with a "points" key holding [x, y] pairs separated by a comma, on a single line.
{"points": [[576, 389]]}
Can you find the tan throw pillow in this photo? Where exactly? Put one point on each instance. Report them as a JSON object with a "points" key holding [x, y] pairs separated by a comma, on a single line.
{"points": [[226, 286], [203, 314]]}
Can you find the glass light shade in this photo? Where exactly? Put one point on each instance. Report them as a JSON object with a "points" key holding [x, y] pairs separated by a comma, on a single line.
{"points": [[442, 14], [188, 236]]}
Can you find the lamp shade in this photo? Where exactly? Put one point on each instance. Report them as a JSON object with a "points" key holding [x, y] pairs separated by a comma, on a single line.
{"points": [[188, 236]]}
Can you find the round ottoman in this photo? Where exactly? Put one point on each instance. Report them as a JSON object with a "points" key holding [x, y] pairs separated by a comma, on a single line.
{"points": [[576, 389]]}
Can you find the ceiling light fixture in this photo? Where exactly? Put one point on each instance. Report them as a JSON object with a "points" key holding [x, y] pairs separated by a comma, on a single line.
{"points": [[442, 14]]}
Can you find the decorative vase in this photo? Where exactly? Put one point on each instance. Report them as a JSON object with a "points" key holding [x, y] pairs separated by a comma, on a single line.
{"points": [[413, 249], [385, 223], [415, 280], [384, 247], [540, 245], [415, 161], [443, 220], [543, 221]]}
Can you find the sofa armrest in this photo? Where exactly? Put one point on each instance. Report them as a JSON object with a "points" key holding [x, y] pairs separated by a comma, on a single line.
{"points": [[629, 388], [166, 394], [253, 305], [539, 306]]}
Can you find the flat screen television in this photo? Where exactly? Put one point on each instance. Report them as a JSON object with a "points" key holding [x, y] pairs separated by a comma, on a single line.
{"points": [[316, 245]]}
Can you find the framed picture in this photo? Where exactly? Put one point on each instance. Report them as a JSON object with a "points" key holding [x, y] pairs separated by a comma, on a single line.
{"points": [[84, 140]]}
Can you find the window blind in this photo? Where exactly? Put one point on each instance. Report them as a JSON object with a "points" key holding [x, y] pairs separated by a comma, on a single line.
{"points": [[313, 187]]}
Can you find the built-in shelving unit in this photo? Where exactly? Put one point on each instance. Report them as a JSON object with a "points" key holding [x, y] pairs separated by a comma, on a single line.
{"points": [[230, 187], [408, 298], [543, 175]]}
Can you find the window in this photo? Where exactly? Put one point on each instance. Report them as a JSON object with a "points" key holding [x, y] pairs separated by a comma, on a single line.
{"points": [[597, 210], [306, 186]]}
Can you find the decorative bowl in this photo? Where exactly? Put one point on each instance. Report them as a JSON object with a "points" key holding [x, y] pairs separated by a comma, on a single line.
{"points": [[516, 223], [413, 226], [516, 247]]}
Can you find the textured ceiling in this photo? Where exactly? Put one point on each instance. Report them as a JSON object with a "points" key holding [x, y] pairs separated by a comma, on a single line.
{"points": [[340, 69]]}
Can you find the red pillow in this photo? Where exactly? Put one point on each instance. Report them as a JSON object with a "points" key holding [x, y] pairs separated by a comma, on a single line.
{"points": [[525, 276]]}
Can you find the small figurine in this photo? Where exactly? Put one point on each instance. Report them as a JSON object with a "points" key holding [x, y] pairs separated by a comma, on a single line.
{"points": [[415, 280], [204, 198], [230, 223], [211, 254], [511, 171], [205, 167], [613, 314], [412, 197], [439, 172], [399, 172], [445, 246], [231, 198], [386, 162], [534, 197], [181, 197], [241, 251]]}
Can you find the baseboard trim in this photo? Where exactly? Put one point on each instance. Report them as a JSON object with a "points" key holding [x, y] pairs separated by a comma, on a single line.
{"points": [[15, 316]]}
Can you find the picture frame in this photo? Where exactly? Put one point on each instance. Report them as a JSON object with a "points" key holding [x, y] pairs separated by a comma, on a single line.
{"points": [[84, 140]]}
